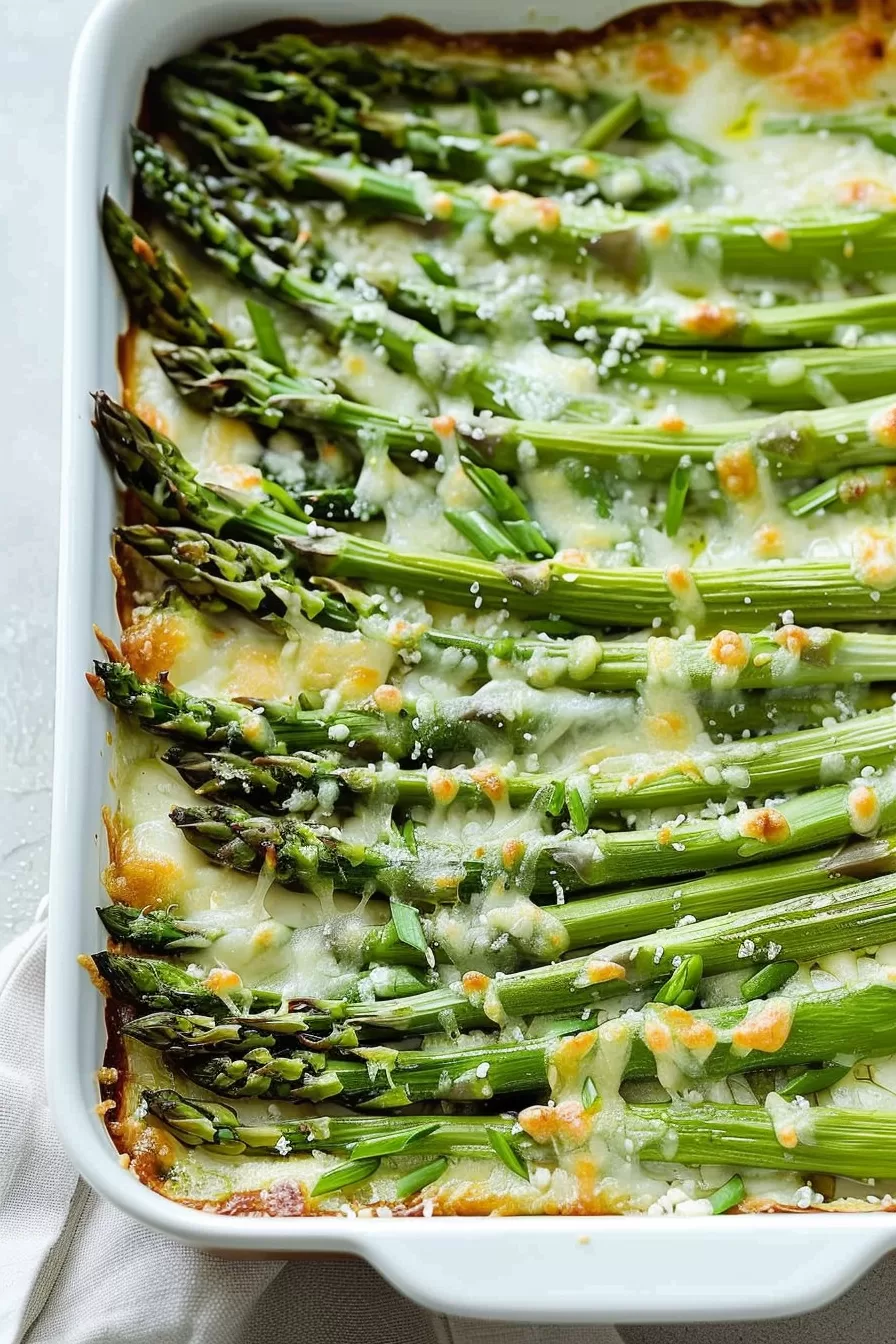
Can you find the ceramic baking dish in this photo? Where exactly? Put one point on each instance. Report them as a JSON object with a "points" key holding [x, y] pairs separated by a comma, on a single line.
{"points": [[532, 1269]]}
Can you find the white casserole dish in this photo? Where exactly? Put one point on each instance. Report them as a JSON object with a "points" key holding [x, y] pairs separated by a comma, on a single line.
{"points": [[545, 1269]]}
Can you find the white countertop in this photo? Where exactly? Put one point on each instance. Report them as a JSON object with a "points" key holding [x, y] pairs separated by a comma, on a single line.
{"points": [[34, 60]]}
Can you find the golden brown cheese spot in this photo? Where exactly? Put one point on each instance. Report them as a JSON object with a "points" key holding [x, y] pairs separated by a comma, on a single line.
{"points": [[569, 1122], [768, 542], [874, 558], [766, 1030], [443, 786], [882, 426], [443, 425], [692, 1031], [512, 852], [474, 983], [865, 192], [787, 1136], [658, 231], [255, 672], [658, 68], [599, 972], [441, 205], [668, 729], [572, 556], [100, 983], [673, 424], [360, 682], [863, 807], [389, 699], [355, 365], [567, 1057], [657, 1037], [794, 638], [151, 645], [736, 471], [547, 214], [730, 650], [152, 416], [141, 248], [679, 581], [838, 69], [765, 824], [141, 878], [237, 475], [776, 236], [664, 835], [221, 980], [759, 51], [490, 781], [106, 1077], [518, 138], [705, 318]]}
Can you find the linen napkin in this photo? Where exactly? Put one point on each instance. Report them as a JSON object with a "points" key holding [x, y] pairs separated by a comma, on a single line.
{"points": [[75, 1270]]}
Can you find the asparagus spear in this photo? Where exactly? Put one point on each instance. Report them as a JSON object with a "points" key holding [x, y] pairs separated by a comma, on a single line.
{"points": [[542, 864], [858, 1022], [800, 929], [192, 1033], [656, 321], [856, 1143], [847, 489], [211, 569], [154, 930], [787, 379], [796, 247], [410, 346], [240, 383], [510, 158], [166, 484], [151, 984], [159, 295], [755, 768], [877, 125]]}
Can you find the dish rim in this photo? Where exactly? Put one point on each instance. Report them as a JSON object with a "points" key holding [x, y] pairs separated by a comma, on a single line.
{"points": [[547, 1269]]}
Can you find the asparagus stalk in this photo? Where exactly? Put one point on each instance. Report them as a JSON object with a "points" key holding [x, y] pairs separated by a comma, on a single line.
{"points": [[803, 929], [259, 582], [511, 158], [878, 126], [860, 1144], [194, 1034], [656, 322], [151, 984], [240, 383], [166, 484], [295, 852], [755, 768], [845, 490], [827, 592], [158, 294], [410, 346], [154, 930], [858, 1022], [796, 247], [786, 379]]}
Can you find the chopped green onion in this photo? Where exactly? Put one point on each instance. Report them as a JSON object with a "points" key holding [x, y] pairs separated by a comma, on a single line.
{"points": [[813, 1080], [434, 270], [727, 1195], [578, 812], [507, 1153], [529, 537], [420, 1177], [675, 498], [681, 987], [486, 112], [349, 1173], [611, 124], [266, 337], [384, 1145], [766, 981], [490, 541], [590, 1094], [408, 926]]}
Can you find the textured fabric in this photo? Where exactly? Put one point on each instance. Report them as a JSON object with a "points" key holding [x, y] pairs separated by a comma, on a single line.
{"points": [[74, 1270]]}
